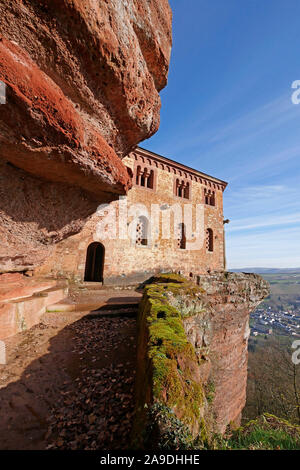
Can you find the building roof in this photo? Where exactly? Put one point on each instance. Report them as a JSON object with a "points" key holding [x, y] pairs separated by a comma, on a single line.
{"points": [[180, 166]]}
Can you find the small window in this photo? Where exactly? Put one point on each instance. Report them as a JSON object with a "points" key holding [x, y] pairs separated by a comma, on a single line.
{"points": [[209, 240], [142, 228], [187, 191], [150, 180], [138, 175], [181, 238], [144, 177], [209, 197], [177, 188], [182, 189], [213, 198]]}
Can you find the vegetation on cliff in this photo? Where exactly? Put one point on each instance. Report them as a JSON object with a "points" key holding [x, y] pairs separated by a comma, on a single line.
{"points": [[267, 432]]}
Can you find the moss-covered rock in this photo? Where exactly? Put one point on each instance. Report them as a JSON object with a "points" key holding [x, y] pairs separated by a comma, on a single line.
{"points": [[189, 336], [168, 375]]}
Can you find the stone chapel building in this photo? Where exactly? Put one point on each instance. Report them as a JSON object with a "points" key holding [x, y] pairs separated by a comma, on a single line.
{"points": [[114, 257]]}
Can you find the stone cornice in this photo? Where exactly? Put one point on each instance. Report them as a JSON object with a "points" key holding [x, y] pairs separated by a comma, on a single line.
{"points": [[183, 171]]}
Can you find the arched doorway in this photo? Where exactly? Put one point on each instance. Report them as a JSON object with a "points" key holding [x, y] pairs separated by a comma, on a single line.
{"points": [[94, 262]]}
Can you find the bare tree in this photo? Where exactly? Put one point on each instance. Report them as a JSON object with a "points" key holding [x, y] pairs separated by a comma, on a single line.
{"points": [[273, 380]]}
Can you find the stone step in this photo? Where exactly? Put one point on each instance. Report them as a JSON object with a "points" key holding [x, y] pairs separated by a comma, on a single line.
{"points": [[126, 310], [23, 313], [97, 286], [22, 287], [90, 306], [89, 286]]}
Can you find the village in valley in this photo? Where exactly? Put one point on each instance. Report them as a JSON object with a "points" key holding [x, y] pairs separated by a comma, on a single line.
{"points": [[279, 314]]}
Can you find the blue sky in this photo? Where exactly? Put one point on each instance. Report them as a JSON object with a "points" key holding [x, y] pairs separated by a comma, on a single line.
{"points": [[227, 111]]}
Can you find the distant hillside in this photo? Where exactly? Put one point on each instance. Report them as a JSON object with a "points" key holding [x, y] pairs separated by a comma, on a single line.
{"points": [[267, 270]]}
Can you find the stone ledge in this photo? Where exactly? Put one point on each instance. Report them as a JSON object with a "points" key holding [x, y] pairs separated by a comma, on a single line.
{"points": [[21, 314]]}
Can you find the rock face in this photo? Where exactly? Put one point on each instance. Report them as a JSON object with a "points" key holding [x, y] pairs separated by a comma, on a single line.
{"points": [[82, 82], [192, 356], [220, 337]]}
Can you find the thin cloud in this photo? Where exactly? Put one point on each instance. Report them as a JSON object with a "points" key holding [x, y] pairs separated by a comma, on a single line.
{"points": [[264, 222], [278, 248]]}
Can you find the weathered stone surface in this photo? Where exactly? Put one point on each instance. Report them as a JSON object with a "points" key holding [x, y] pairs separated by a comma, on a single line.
{"points": [[15, 286], [82, 89], [192, 355], [220, 336], [23, 300], [35, 214]]}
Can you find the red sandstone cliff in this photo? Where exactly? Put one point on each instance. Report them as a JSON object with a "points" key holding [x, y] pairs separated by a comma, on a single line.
{"points": [[192, 356], [82, 89], [220, 336]]}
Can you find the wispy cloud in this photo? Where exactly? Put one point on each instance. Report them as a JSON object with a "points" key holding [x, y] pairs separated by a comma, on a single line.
{"points": [[261, 191], [264, 222], [223, 137], [278, 248], [267, 117], [268, 161]]}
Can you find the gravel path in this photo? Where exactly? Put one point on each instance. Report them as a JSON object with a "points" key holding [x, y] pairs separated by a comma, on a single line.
{"points": [[69, 384]]}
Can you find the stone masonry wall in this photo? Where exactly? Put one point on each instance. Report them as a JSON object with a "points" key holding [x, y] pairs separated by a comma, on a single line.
{"points": [[126, 262]]}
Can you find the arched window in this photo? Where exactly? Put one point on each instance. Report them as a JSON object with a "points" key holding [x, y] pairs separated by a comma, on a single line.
{"points": [[182, 188], [209, 240], [150, 180], [178, 188], [138, 173], [187, 191], [144, 177], [209, 197], [142, 231], [181, 237], [206, 197]]}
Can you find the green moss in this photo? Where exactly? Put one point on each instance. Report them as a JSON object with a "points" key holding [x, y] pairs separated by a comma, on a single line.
{"points": [[174, 283], [210, 392], [168, 354], [203, 438], [168, 278]]}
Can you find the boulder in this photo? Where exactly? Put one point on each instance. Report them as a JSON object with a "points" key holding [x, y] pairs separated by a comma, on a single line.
{"points": [[82, 89]]}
